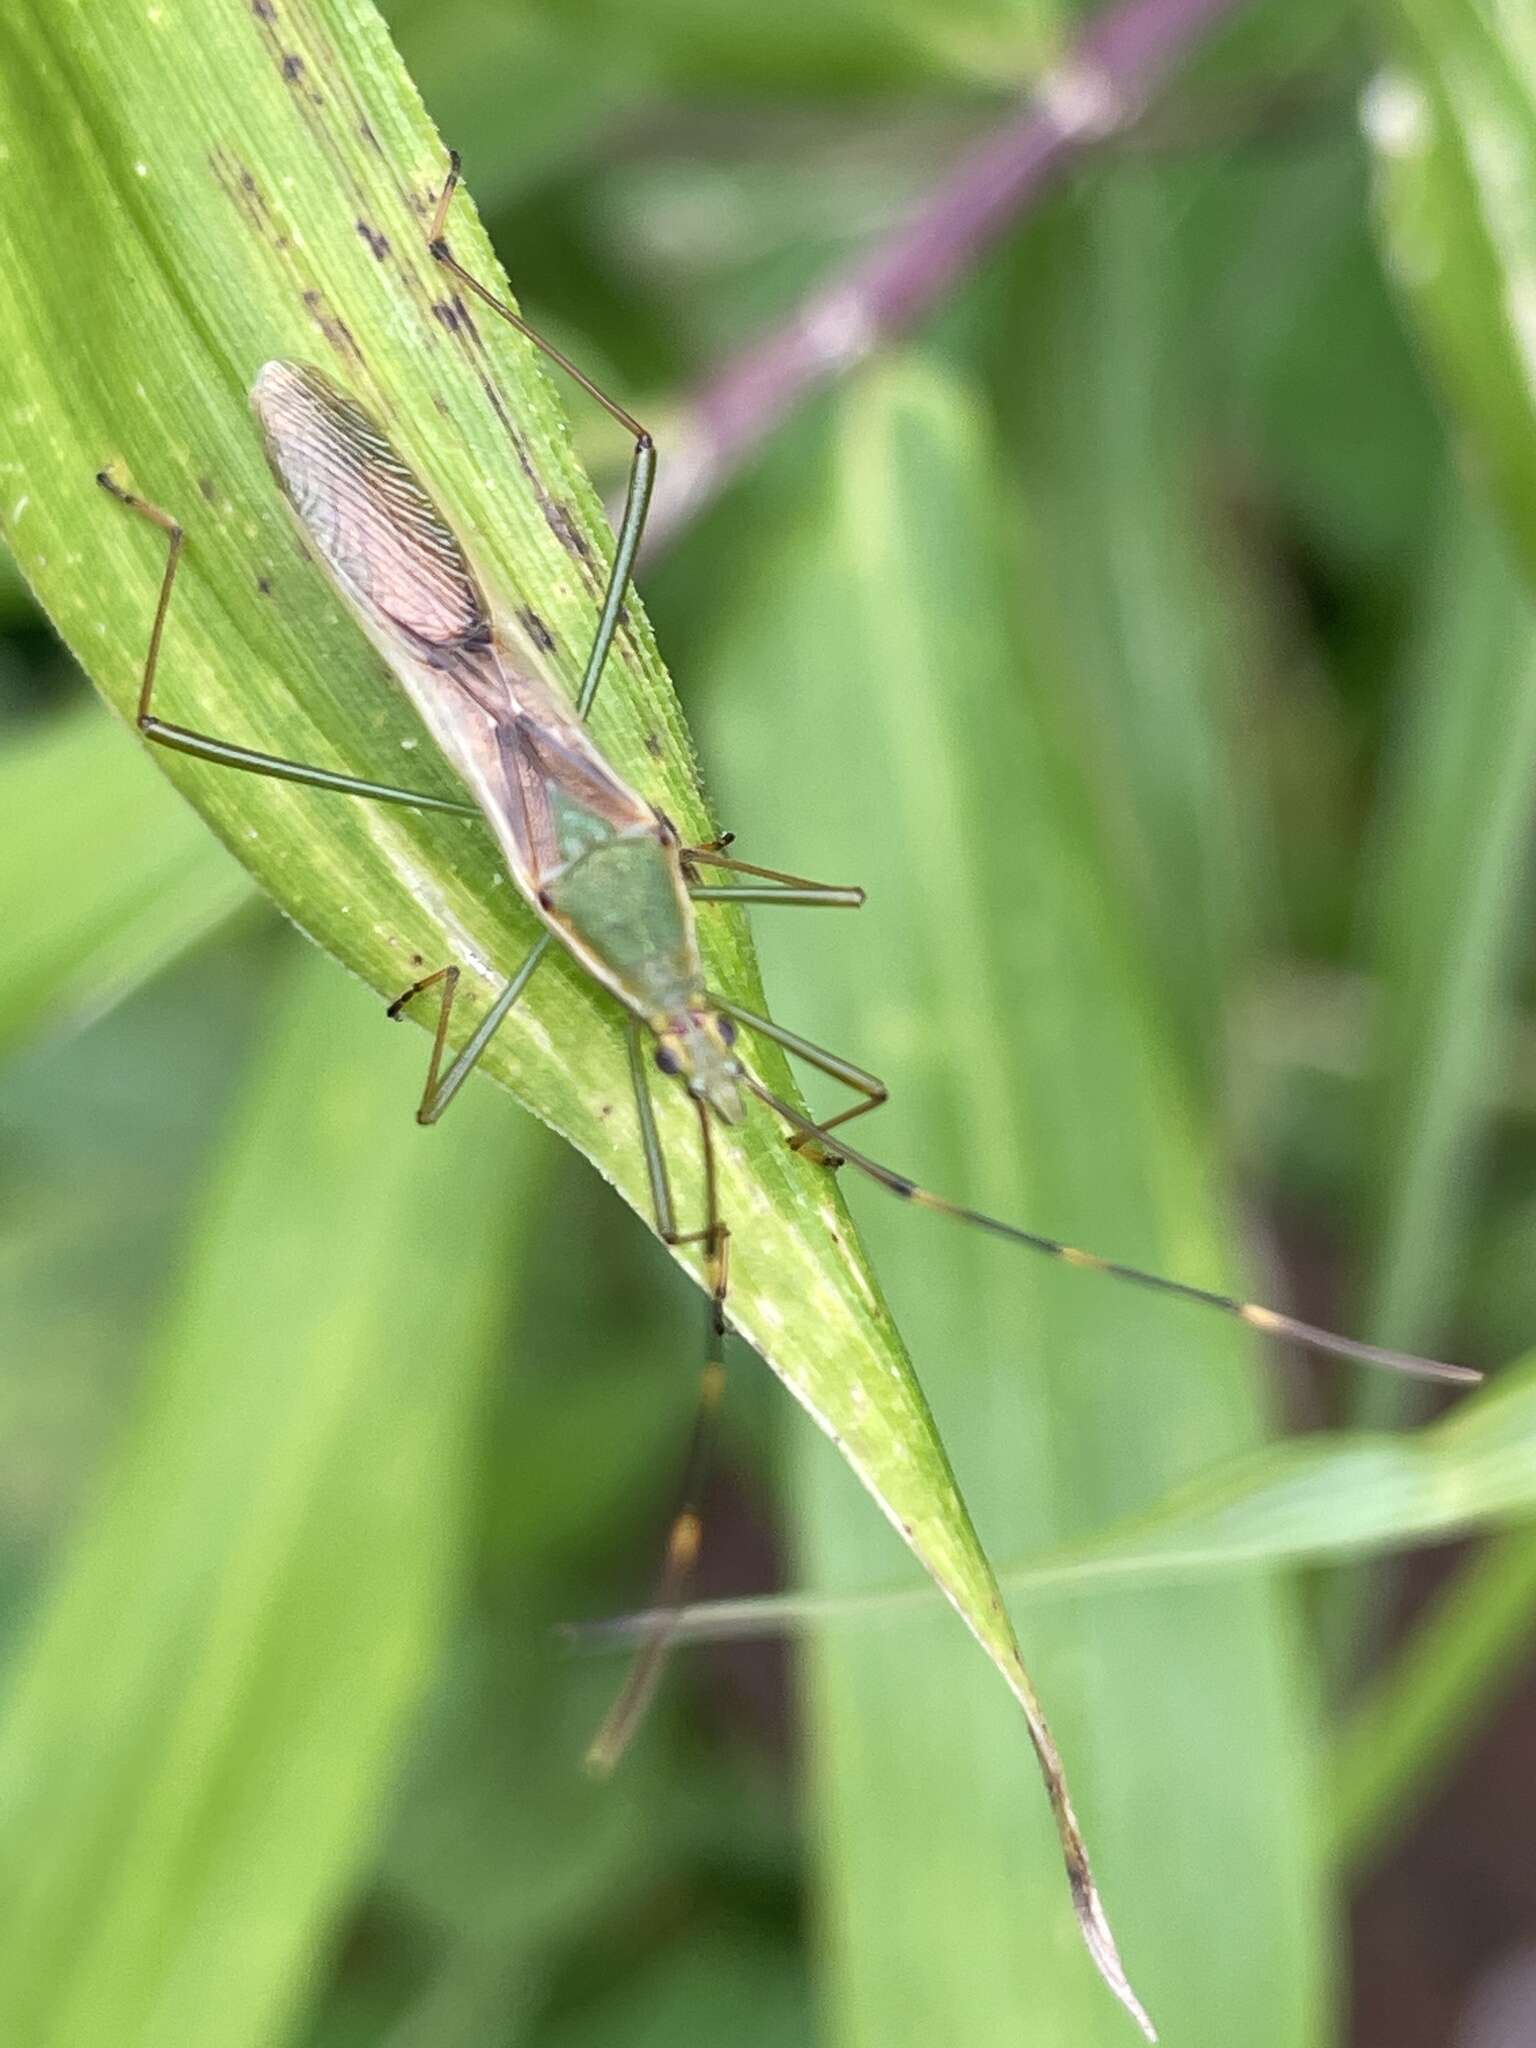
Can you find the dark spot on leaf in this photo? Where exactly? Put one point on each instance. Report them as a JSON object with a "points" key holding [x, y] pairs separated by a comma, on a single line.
{"points": [[293, 67], [653, 746], [447, 315], [264, 10], [205, 485], [441, 405], [332, 326], [416, 959], [605, 1109], [368, 136], [377, 243], [239, 184], [564, 528], [264, 585], [536, 629], [621, 616]]}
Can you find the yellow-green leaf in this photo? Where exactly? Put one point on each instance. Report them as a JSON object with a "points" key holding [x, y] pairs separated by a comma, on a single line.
{"points": [[1454, 127], [202, 1731], [132, 876], [189, 189], [993, 982]]}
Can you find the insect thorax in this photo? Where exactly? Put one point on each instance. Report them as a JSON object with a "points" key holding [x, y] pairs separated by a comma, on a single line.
{"points": [[623, 907]]}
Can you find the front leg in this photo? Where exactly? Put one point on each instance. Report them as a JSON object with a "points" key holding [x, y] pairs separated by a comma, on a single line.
{"points": [[863, 1083], [203, 746]]}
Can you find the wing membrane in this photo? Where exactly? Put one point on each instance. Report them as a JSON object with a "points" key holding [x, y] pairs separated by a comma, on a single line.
{"points": [[367, 514]]}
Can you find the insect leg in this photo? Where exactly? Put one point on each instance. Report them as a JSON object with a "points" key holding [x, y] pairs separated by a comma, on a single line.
{"points": [[642, 466], [870, 1086], [792, 899], [786, 889], [686, 1530], [180, 739], [436, 1095], [714, 856], [650, 1137], [1273, 1322]]}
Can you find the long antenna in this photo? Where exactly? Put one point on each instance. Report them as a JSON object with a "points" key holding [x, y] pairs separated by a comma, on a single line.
{"points": [[1271, 1321]]}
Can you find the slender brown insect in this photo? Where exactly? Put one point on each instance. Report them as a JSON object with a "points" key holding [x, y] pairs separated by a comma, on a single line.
{"points": [[611, 882]]}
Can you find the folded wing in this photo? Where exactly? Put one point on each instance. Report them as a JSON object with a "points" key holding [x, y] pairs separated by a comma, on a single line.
{"points": [[367, 514]]}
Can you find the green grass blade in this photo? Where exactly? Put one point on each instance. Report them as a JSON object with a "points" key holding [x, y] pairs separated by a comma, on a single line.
{"points": [[1312, 1500], [1454, 130], [1338, 1497], [1432, 1700], [1147, 635], [1454, 889], [202, 1735], [989, 979], [15, 599], [1454, 127], [187, 192], [132, 877], [1451, 888], [107, 1138], [1451, 891]]}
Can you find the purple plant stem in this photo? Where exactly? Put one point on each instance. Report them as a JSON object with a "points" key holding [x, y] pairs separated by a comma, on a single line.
{"points": [[1098, 91]]}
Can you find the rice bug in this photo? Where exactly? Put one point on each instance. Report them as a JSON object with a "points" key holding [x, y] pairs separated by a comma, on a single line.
{"points": [[609, 879]]}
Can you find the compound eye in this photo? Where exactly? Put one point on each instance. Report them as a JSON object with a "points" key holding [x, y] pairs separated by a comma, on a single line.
{"points": [[667, 1059], [727, 1029]]}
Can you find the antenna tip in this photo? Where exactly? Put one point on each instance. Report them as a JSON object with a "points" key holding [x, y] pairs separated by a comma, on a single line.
{"points": [[599, 1761], [1309, 1335]]}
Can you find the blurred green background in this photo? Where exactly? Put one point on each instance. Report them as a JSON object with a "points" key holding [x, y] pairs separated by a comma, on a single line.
{"points": [[1151, 635]]}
